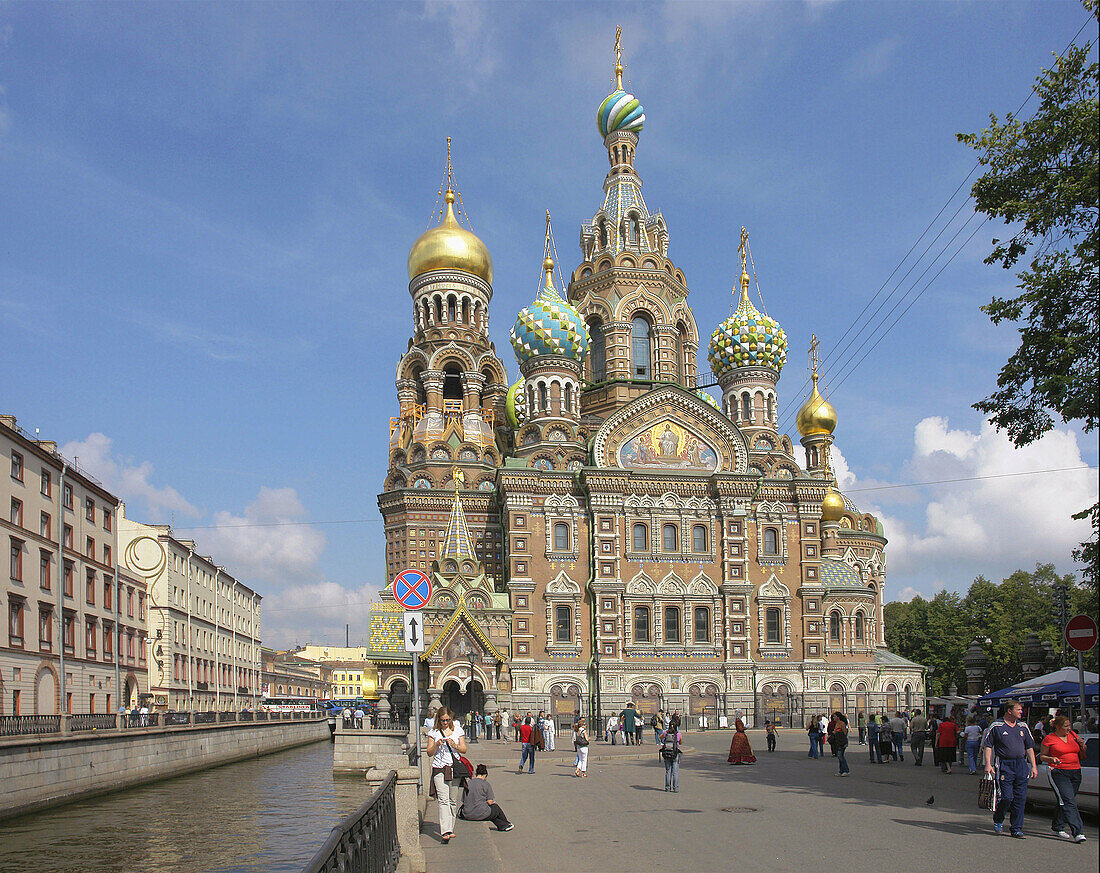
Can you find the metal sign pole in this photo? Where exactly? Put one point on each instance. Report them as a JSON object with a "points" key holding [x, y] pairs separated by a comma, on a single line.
{"points": [[416, 721], [1081, 683]]}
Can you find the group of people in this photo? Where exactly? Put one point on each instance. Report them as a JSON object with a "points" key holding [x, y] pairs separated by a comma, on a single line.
{"points": [[630, 725]]}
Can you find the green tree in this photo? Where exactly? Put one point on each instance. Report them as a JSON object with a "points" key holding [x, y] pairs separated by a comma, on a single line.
{"points": [[1042, 180]]}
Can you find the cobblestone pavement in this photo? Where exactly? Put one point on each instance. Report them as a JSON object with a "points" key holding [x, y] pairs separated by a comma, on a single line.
{"points": [[785, 813]]}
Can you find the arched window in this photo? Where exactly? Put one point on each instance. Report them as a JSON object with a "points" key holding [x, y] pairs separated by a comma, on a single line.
{"points": [[604, 242], [568, 397], [699, 538], [563, 624], [561, 536], [640, 347], [597, 351], [640, 540], [668, 538], [452, 382], [681, 353], [702, 624], [438, 309], [771, 408], [672, 624], [746, 408], [451, 309], [641, 624], [834, 626], [544, 398], [773, 629], [859, 626], [771, 541]]}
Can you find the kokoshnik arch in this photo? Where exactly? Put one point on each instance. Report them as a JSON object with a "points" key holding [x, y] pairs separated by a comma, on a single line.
{"points": [[600, 529]]}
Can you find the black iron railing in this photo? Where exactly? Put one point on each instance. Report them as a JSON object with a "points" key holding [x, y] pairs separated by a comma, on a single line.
{"points": [[35, 725], [208, 717], [24, 725], [366, 841], [91, 722]]}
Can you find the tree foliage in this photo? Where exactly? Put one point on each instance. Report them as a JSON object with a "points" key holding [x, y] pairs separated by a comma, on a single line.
{"points": [[937, 632], [1041, 179]]}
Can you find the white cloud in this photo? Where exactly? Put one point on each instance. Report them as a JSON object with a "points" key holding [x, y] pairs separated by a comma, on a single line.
{"points": [[906, 594], [873, 60], [269, 543], [132, 482], [317, 612], [994, 522]]}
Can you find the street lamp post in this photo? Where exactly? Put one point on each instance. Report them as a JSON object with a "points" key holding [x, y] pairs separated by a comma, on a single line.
{"points": [[470, 691]]}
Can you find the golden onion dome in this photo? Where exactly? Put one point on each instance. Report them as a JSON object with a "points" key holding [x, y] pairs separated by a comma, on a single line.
{"points": [[832, 507], [817, 415], [370, 683], [448, 246]]}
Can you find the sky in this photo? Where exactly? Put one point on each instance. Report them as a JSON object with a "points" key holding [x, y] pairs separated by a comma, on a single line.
{"points": [[206, 210]]}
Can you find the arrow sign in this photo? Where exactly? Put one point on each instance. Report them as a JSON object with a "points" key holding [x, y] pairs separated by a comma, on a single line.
{"points": [[414, 632]]}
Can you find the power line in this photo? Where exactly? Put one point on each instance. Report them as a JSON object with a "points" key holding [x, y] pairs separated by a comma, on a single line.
{"points": [[964, 479]]}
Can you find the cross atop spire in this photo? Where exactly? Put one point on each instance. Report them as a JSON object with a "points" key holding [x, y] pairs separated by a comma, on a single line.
{"points": [[743, 251], [619, 58], [450, 169], [814, 360]]}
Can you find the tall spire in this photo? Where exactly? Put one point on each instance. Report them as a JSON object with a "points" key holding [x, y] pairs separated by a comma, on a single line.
{"points": [[618, 58], [457, 544], [743, 251]]}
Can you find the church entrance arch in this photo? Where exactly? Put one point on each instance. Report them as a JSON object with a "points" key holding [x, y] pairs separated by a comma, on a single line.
{"points": [[565, 703], [777, 704], [703, 700], [460, 701], [647, 697], [837, 699], [400, 700]]}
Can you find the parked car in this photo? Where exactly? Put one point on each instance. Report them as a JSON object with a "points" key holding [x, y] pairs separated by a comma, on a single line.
{"points": [[1040, 790]]}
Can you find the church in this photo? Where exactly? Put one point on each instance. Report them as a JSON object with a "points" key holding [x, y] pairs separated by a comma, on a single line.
{"points": [[600, 530]]}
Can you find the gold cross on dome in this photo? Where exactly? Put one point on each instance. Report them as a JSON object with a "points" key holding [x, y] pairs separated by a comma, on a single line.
{"points": [[814, 360], [742, 250], [619, 58]]}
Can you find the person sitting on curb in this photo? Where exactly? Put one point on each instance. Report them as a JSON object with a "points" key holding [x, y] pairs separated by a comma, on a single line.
{"points": [[480, 803]]}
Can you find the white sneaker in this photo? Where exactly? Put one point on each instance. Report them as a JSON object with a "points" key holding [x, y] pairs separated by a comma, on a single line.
{"points": [[1080, 838], [1063, 835]]}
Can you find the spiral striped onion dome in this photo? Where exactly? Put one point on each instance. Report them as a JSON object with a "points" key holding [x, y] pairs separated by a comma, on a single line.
{"points": [[619, 111], [747, 338], [706, 398], [549, 326], [515, 405]]}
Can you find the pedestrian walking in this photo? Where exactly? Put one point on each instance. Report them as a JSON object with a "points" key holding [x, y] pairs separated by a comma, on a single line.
{"points": [[550, 732], [947, 743], [480, 802], [874, 750], [770, 729], [516, 722], [671, 749], [861, 725], [628, 717], [918, 736], [538, 736], [446, 741], [829, 733], [740, 748], [611, 728], [526, 744], [1008, 749], [580, 744], [897, 731], [823, 724], [1063, 749], [813, 729], [838, 739], [657, 722], [972, 735]]}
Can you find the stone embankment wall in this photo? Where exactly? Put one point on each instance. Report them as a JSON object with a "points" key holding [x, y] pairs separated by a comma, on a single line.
{"points": [[39, 772]]}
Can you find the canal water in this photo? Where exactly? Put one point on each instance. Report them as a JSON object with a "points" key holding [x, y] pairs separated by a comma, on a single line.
{"points": [[265, 815]]}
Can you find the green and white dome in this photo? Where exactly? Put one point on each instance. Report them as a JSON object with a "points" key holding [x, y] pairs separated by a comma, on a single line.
{"points": [[748, 338], [549, 326], [619, 111]]}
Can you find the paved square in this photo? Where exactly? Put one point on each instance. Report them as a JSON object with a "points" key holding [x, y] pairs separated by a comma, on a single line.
{"points": [[785, 813]]}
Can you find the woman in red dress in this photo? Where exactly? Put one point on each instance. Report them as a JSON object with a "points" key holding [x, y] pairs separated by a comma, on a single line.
{"points": [[740, 750]]}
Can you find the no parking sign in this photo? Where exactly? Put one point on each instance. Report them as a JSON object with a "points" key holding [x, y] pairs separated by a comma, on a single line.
{"points": [[412, 589]]}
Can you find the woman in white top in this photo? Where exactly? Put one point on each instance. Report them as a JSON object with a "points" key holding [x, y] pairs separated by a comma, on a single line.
{"points": [[445, 743], [580, 743], [972, 737], [611, 728]]}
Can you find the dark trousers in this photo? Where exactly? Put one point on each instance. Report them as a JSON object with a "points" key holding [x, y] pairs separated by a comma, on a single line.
{"points": [[874, 749], [916, 743], [899, 746], [1012, 776], [1065, 784], [862, 735], [771, 742], [844, 768], [497, 817]]}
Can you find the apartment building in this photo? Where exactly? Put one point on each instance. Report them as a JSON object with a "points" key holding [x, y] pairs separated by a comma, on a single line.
{"points": [[204, 625], [76, 640]]}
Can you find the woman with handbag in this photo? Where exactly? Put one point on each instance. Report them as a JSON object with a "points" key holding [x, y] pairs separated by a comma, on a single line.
{"points": [[580, 743], [446, 742]]}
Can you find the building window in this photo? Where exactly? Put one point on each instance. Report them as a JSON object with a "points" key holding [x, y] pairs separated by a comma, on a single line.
{"points": [[45, 630], [89, 638], [16, 566], [640, 347], [771, 541], [640, 541], [859, 626], [772, 629], [44, 526], [108, 586], [672, 624], [699, 538], [15, 621], [47, 483], [89, 509], [17, 466], [746, 408], [17, 512], [45, 560], [67, 496], [108, 642], [834, 626], [681, 355], [563, 624], [89, 547], [561, 537], [702, 624], [641, 624], [668, 538], [107, 519], [67, 578], [89, 588], [67, 538]]}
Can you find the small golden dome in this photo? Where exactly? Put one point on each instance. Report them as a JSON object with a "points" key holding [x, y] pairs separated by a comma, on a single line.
{"points": [[832, 507], [817, 415], [370, 683], [448, 246]]}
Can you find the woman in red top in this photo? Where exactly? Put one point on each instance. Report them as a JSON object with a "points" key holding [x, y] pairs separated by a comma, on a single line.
{"points": [[1063, 749], [947, 741]]}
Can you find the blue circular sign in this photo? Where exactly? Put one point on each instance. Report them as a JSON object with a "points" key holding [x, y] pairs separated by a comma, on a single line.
{"points": [[412, 589]]}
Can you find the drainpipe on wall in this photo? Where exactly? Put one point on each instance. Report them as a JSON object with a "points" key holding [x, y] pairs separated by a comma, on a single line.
{"points": [[190, 662], [114, 584], [61, 585], [217, 664]]}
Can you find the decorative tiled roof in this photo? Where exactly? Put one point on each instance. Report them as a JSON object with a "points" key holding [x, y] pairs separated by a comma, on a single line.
{"points": [[386, 628], [838, 574]]}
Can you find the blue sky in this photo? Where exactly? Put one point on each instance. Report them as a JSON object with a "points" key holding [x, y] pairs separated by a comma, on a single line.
{"points": [[206, 210]]}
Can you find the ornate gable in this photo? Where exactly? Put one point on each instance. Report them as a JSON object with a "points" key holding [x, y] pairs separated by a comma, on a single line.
{"points": [[460, 636], [670, 430]]}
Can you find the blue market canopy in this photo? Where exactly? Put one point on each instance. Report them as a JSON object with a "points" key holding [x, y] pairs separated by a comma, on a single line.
{"points": [[1059, 687]]}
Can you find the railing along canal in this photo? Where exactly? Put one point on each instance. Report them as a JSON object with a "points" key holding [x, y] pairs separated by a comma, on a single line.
{"points": [[365, 841], [46, 725], [29, 725]]}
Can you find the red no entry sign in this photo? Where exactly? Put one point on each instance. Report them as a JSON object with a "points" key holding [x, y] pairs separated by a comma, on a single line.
{"points": [[412, 589], [1081, 632]]}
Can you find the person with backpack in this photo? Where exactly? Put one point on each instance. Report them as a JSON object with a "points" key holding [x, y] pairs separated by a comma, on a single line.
{"points": [[657, 722], [671, 752]]}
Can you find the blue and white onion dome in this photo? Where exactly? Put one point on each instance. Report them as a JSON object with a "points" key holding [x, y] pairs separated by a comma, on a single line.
{"points": [[549, 326], [747, 338], [620, 111]]}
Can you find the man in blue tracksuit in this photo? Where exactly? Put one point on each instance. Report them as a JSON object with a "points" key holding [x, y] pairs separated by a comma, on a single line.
{"points": [[1009, 751]]}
